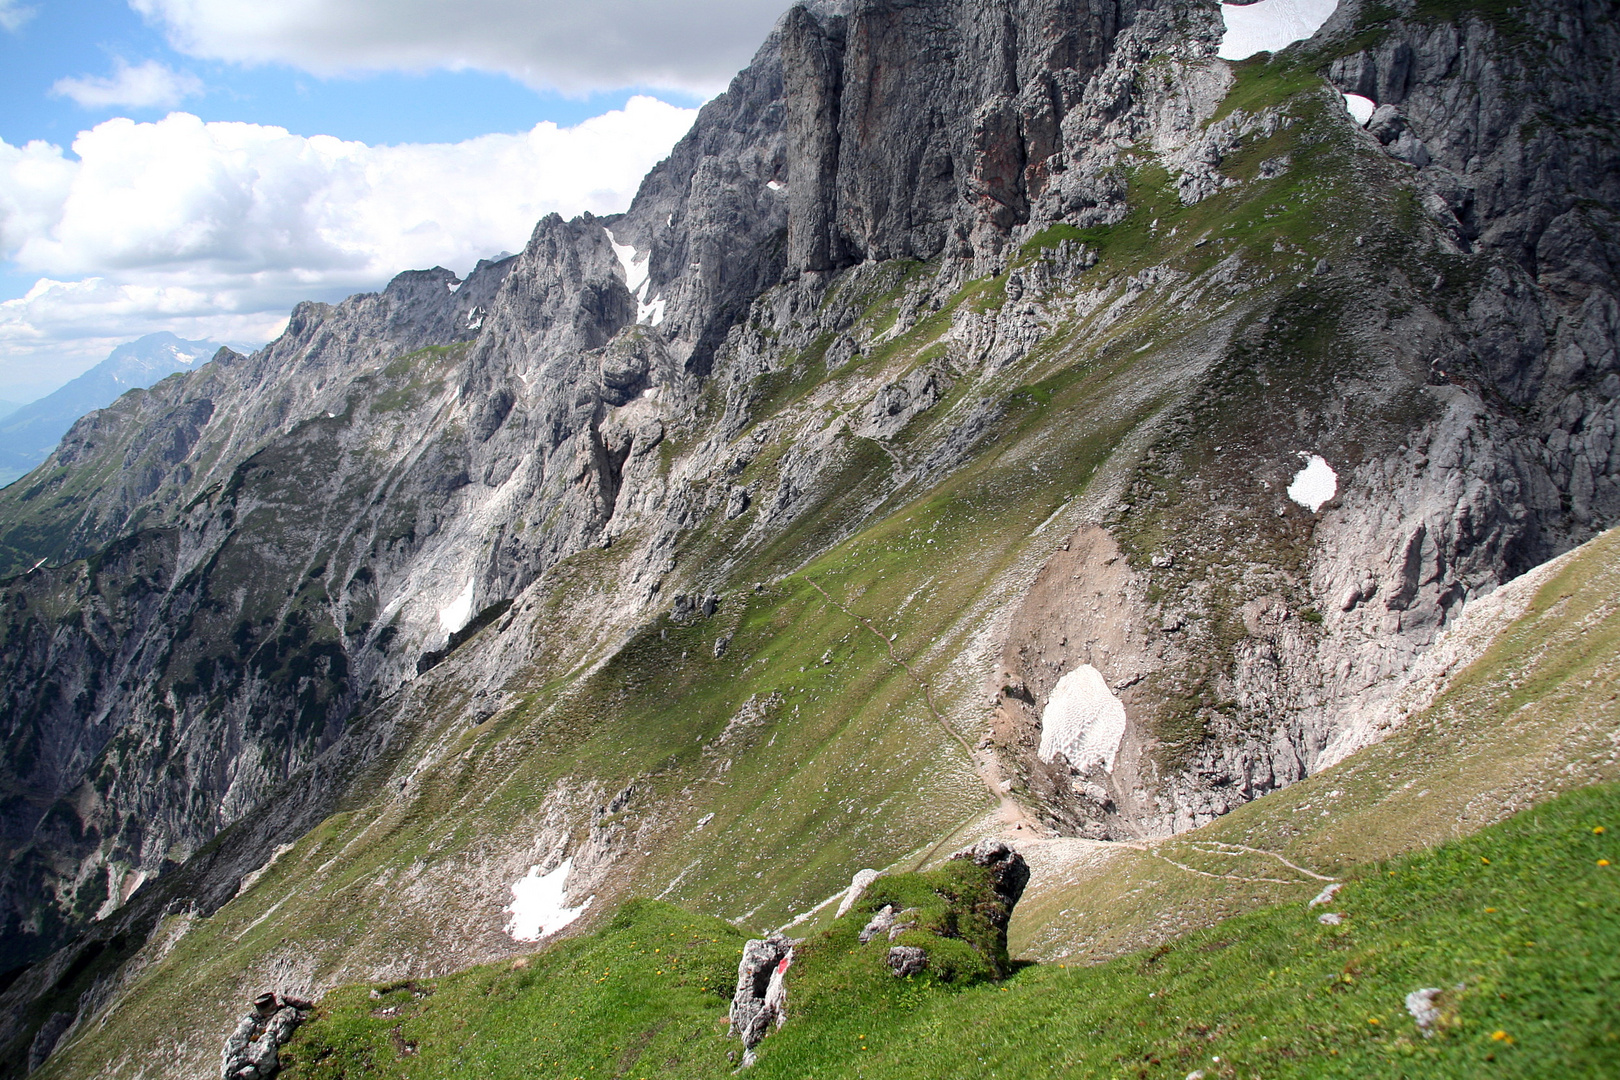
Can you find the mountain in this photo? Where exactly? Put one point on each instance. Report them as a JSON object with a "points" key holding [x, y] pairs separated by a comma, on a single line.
{"points": [[28, 433], [7, 408], [1001, 420]]}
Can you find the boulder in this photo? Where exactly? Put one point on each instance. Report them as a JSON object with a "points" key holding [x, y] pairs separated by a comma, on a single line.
{"points": [[879, 924], [857, 886], [760, 1000], [906, 960], [253, 1050], [1008, 871]]}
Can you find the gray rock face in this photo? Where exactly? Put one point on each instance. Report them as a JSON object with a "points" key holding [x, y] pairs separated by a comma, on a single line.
{"points": [[760, 1000], [916, 129], [1450, 505], [30, 432], [45, 1039], [1470, 108], [163, 447]]}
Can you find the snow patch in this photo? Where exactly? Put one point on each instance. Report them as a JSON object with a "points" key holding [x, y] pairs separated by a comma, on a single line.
{"points": [[537, 908], [459, 613], [648, 312], [1083, 721], [651, 314], [1315, 484], [1270, 25], [1360, 107], [452, 285], [635, 265], [776, 185]]}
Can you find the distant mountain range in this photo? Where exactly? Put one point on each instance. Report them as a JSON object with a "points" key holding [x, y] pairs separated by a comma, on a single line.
{"points": [[28, 433]]}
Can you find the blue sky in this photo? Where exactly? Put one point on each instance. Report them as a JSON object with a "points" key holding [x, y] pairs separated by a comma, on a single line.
{"points": [[77, 38], [146, 184]]}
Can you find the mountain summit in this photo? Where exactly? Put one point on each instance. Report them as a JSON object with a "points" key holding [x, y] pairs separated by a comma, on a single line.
{"points": [[28, 433], [1000, 420]]}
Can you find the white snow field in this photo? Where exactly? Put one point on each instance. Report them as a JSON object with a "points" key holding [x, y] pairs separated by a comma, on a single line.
{"points": [[635, 264], [537, 904], [1083, 721], [459, 613], [1315, 484], [1360, 107], [1270, 25], [648, 313]]}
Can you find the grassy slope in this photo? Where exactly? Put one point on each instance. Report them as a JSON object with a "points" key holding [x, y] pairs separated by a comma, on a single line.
{"points": [[647, 997], [1267, 990], [1516, 925]]}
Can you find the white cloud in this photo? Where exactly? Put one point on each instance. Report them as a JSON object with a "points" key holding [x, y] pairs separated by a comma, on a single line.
{"points": [[13, 15], [148, 86], [60, 328], [217, 229], [690, 44]]}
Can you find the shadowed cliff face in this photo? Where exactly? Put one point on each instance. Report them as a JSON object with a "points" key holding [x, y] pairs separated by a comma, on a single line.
{"points": [[916, 129], [1009, 321]]}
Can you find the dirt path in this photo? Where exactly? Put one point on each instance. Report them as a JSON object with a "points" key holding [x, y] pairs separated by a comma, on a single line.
{"points": [[1013, 814], [1015, 819]]}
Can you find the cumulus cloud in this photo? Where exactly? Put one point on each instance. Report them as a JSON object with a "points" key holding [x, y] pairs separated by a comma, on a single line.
{"points": [[13, 15], [561, 44], [147, 86], [60, 328], [216, 229]]}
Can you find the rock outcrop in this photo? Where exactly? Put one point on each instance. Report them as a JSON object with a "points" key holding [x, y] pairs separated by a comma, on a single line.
{"points": [[252, 1051], [1009, 874], [759, 1003], [952, 924]]}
